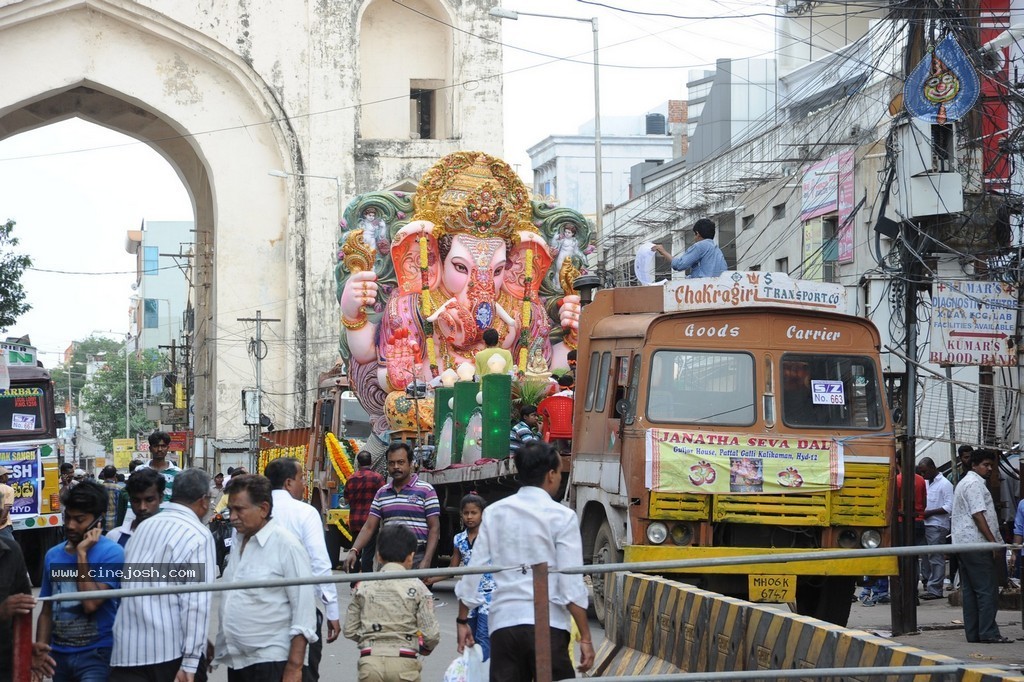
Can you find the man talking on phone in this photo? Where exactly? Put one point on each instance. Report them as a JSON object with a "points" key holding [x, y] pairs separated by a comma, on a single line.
{"points": [[74, 638]]}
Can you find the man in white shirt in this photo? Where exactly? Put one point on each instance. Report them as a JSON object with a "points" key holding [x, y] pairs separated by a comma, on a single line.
{"points": [[525, 529], [162, 637], [974, 520], [263, 631], [285, 476], [936, 526]]}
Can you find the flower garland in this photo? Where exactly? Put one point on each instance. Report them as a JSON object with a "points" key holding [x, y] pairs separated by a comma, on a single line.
{"points": [[270, 454], [339, 460], [524, 332], [426, 307]]}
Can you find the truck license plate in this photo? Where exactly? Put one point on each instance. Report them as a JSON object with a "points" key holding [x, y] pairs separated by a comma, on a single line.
{"points": [[774, 589]]}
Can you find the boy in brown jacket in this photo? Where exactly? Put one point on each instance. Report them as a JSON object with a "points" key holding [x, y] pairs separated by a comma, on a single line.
{"points": [[392, 620]]}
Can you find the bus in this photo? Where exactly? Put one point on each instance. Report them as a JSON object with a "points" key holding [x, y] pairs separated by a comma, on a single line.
{"points": [[28, 449]]}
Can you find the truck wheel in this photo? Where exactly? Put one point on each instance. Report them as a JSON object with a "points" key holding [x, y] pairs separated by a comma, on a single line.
{"points": [[826, 598], [604, 553]]}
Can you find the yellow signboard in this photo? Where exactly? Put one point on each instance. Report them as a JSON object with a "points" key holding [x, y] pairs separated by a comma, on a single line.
{"points": [[123, 449], [714, 463]]}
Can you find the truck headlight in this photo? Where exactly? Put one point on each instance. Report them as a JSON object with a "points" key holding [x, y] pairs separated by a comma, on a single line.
{"points": [[657, 532], [871, 539]]}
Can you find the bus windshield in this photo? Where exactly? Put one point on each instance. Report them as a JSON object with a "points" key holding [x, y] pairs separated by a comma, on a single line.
{"points": [[831, 391], [700, 387], [22, 412]]}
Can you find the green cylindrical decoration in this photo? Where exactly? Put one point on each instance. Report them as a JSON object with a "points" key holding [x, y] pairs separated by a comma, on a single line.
{"points": [[465, 403], [442, 439], [497, 415]]}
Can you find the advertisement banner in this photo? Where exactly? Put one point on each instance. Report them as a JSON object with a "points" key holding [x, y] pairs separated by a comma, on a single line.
{"points": [[123, 450], [828, 187], [973, 323], [23, 463], [716, 463]]}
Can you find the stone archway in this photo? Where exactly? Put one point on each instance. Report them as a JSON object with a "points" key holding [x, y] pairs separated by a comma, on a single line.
{"points": [[207, 112]]}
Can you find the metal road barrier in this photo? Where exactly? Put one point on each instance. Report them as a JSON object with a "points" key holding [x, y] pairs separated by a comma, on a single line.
{"points": [[589, 569], [931, 671], [686, 634]]}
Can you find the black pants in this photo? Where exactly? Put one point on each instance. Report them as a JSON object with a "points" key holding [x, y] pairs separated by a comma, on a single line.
{"points": [[366, 558], [157, 672], [311, 671], [513, 655], [258, 672]]}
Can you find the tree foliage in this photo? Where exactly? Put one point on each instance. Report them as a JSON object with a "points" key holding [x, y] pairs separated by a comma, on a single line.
{"points": [[83, 350], [12, 266], [103, 398]]}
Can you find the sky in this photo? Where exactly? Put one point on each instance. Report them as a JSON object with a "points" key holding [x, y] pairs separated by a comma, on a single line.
{"points": [[75, 189]]}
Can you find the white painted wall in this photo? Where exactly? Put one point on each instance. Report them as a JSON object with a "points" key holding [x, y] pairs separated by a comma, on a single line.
{"points": [[252, 87]]}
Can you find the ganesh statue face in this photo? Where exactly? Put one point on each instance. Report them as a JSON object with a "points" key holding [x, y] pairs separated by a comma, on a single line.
{"points": [[473, 273]]}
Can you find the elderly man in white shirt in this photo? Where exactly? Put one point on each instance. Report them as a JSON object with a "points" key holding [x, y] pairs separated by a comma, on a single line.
{"points": [[285, 476], [525, 529], [974, 521], [263, 631], [162, 637], [937, 512]]}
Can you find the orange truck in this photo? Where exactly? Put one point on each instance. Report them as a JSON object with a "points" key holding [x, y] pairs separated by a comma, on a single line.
{"points": [[729, 417]]}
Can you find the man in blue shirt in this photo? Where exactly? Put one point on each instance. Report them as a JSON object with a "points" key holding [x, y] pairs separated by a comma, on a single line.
{"points": [[703, 258], [74, 638]]}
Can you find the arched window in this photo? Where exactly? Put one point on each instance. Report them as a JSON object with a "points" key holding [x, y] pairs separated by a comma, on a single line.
{"points": [[406, 52]]}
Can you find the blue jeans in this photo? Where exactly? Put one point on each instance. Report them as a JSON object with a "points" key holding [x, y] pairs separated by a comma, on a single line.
{"points": [[91, 665]]}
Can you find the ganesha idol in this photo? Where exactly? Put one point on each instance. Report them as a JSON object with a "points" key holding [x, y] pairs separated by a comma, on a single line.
{"points": [[417, 295]]}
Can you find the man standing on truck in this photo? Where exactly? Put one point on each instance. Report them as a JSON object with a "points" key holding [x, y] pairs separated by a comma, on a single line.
{"points": [[360, 489], [490, 337], [408, 501], [525, 430], [522, 530], [703, 258]]}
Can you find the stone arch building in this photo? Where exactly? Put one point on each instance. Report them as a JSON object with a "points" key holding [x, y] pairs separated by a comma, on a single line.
{"points": [[226, 90]]}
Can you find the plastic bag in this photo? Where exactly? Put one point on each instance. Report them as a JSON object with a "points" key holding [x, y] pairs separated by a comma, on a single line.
{"points": [[469, 667]]}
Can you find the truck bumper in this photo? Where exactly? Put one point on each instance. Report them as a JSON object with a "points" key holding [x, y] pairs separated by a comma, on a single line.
{"points": [[886, 565]]}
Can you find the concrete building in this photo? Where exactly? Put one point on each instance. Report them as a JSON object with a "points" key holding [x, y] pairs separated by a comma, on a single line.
{"points": [[728, 105], [161, 288], [363, 95], [830, 178], [563, 165]]}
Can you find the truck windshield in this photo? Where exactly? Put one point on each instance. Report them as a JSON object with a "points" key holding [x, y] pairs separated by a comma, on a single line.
{"points": [[21, 412], [830, 391], [697, 387]]}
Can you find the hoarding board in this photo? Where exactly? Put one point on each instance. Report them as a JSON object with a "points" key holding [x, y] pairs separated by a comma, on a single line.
{"points": [[974, 323]]}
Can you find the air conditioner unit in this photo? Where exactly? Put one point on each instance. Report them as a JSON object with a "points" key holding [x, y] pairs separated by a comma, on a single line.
{"points": [[926, 170]]}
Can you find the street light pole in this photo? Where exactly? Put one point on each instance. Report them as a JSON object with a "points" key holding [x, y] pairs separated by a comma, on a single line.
{"points": [[127, 392], [336, 178], [503, 13]]}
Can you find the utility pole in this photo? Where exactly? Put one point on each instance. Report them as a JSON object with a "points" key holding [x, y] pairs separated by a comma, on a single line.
{"points": [[904, 593], [258, 352]]}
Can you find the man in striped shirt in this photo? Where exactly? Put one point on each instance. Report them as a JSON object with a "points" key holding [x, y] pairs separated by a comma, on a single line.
{"points": [[407, 501], [161, 637]]}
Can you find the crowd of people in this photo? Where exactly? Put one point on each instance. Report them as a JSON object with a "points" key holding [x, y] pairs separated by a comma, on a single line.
{"points": [[151, 531]]}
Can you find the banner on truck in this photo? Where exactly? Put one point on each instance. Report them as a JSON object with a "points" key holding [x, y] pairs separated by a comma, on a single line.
{"points": [[720, 463], [23, 463]]}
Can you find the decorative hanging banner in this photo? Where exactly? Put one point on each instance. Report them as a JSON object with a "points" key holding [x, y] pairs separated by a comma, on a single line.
{"points": [[715, 463], [943, 86]]}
